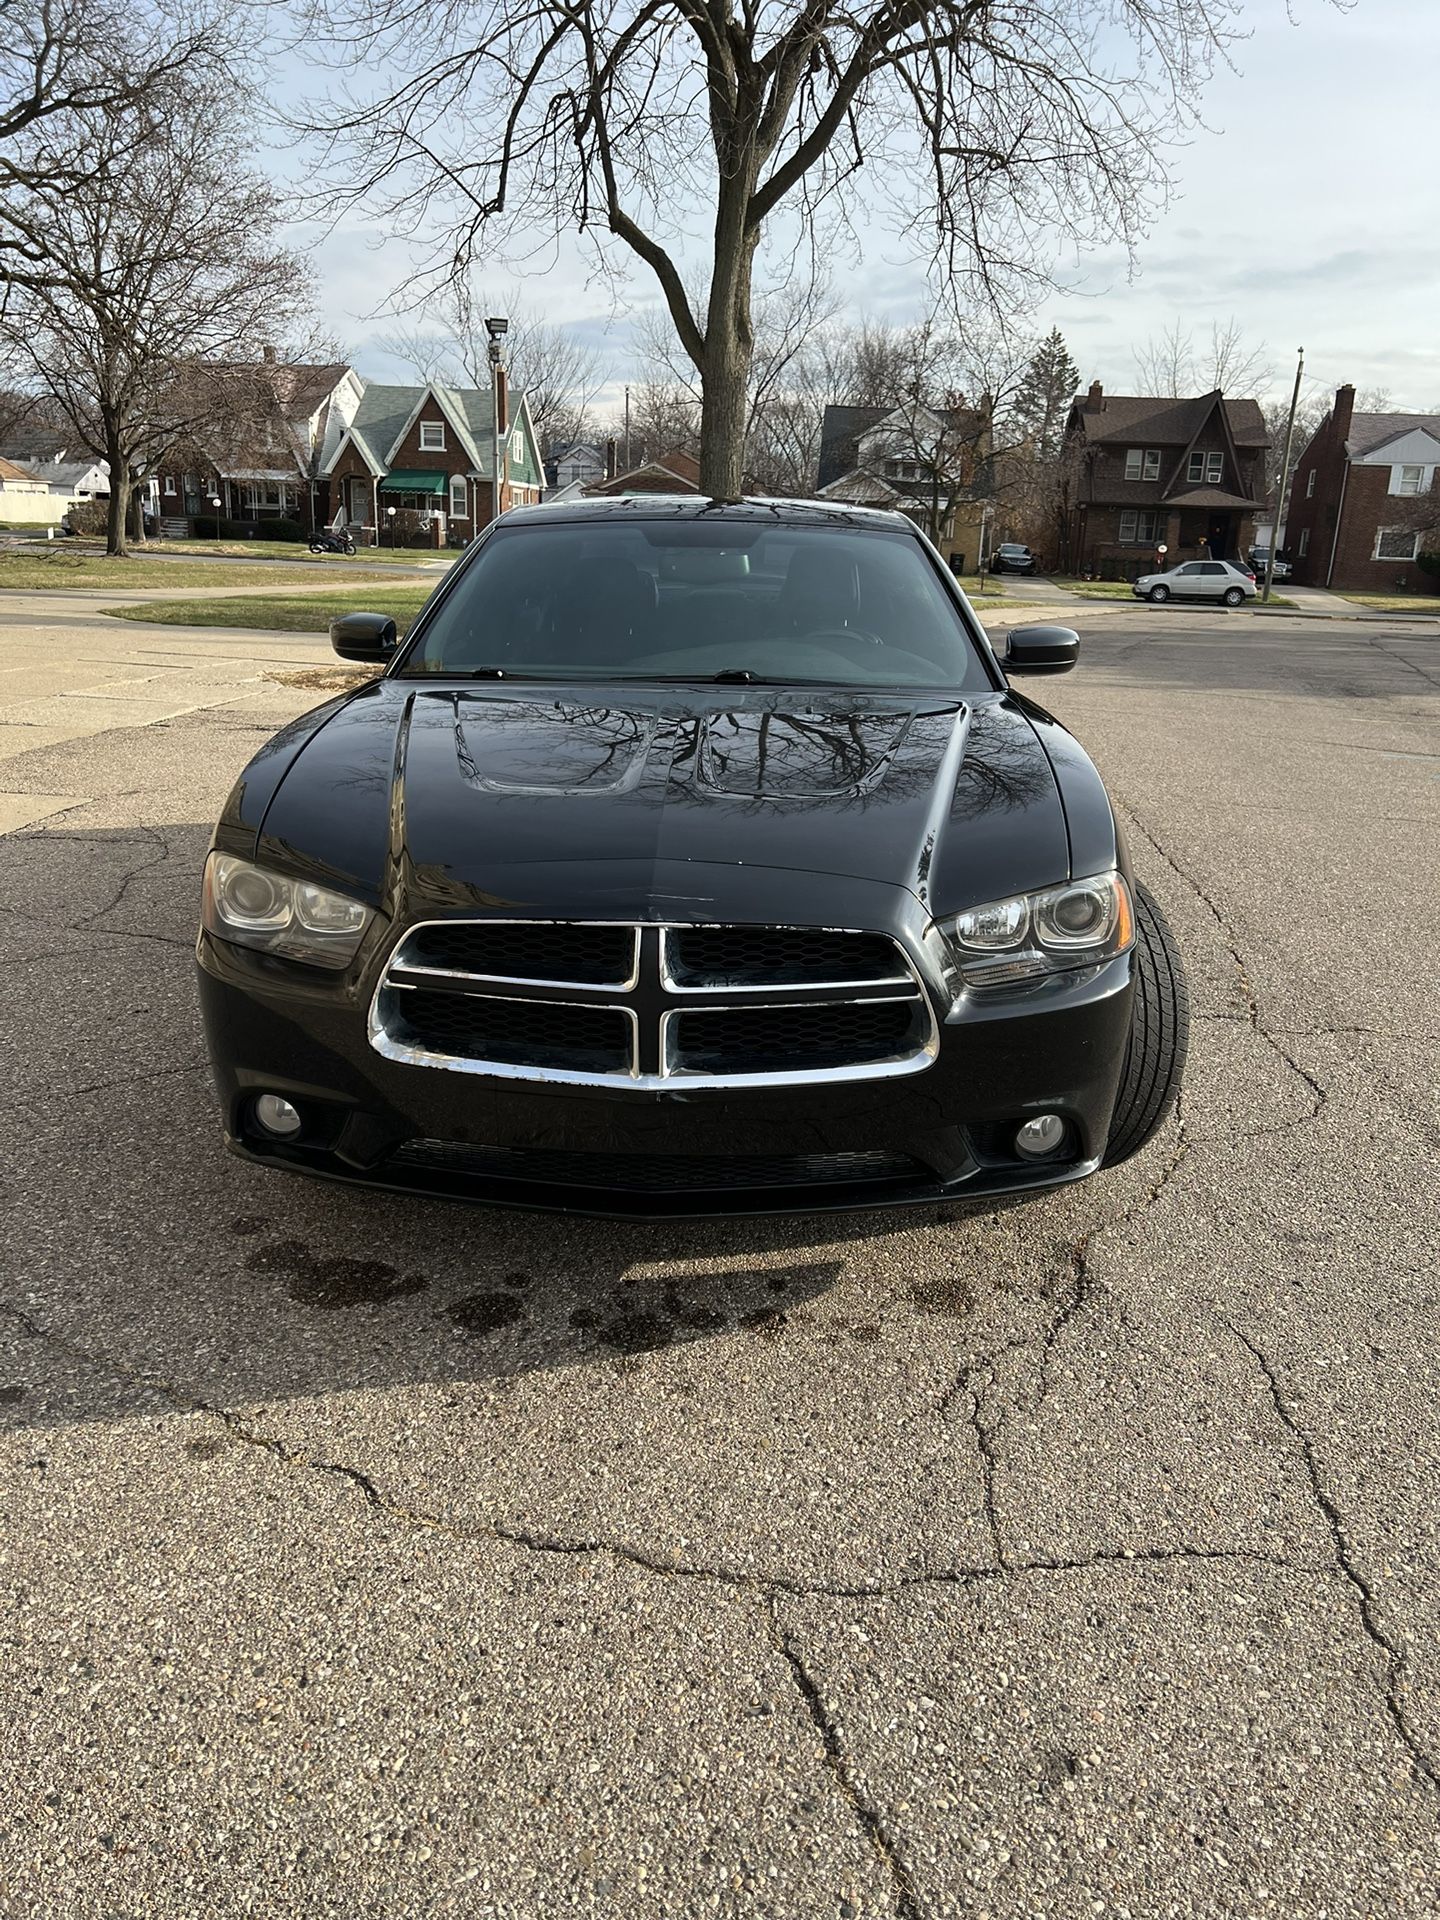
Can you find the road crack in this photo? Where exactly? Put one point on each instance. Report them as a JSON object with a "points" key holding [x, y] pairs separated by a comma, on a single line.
{"points": [[1395, 1663], [1319, 1094], [867, 1815]]}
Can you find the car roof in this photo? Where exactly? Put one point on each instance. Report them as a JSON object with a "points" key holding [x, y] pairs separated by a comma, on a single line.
{"points": [[671, 506]]}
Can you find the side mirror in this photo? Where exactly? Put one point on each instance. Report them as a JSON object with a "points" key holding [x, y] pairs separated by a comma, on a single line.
{"points": [[1041, 650], [369, 637]]}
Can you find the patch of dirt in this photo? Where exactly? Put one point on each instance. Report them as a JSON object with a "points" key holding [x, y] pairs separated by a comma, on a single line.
{"points": [[324, 679]]}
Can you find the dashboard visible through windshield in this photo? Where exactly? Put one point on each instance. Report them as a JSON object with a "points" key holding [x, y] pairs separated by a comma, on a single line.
{"points": [[700, 600]]}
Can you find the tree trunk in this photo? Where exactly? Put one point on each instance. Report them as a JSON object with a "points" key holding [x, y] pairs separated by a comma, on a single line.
{"points": [[118, 525], [725, 389], [729, 340], [137, 511]]}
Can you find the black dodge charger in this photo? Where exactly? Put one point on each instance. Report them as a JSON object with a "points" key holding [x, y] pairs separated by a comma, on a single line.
{"points": [[687, 858]]}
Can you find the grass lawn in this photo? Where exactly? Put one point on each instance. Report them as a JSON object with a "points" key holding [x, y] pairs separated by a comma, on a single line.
{"points": [[1397, 602], [289, 613], [61, 572], [1093, 589], [298, 550]]}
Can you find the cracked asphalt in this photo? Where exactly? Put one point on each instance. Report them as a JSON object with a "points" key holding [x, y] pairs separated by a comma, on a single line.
{"points": [[368, 1557]]}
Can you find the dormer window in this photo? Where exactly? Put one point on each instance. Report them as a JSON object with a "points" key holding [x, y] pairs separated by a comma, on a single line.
{"points": [[1407, 479], [1206, 468], [432, 436]]}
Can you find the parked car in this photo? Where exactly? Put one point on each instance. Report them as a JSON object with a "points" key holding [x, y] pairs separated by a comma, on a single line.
{"points": [[1011, 558], [1199, 580], [1258, 558], [686, 859]]}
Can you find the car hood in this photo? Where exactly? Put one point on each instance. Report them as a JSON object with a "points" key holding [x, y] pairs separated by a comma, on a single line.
{"points": [[572, 800]]}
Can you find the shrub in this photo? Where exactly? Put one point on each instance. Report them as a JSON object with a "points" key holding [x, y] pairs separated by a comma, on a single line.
{"points": [[1428, 563], [89, 516]]}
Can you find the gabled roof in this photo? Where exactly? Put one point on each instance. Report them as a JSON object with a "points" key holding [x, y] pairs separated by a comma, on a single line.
{"points": [[673, 472], [10, 471], [1214, 497], [1370, 431], [844, 427], [387, 413], [861, 488], [1146, 420]]}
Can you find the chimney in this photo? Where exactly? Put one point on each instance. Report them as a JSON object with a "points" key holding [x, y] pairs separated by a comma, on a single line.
{"points": [[269, 355], [611, 459], [1095, 399], [502, 403], [1343, 415]]}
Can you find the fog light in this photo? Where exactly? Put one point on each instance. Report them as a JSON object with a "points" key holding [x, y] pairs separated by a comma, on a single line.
{"points": [[1041, 1138], [277, 1116]]}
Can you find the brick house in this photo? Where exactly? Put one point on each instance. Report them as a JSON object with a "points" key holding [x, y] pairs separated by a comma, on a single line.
{"points": [[428, 451], [1361, 502], [1146, 472], [275, 425], [930, 463]]}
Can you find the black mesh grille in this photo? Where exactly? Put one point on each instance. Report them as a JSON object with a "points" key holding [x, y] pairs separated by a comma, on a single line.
{"points": [[513, 1032], [659, 1173], [590, 956], [795, 1039], [778, 956]]}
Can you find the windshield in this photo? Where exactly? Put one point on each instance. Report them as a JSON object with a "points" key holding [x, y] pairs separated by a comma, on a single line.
{"points": [[701, 600]]}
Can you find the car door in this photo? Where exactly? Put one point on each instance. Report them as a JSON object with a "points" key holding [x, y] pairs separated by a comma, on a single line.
{"points": [[1186, 580], [1213, 578]]}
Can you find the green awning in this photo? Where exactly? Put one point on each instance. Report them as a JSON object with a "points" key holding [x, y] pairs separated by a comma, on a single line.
{"points": [[406, 480]]}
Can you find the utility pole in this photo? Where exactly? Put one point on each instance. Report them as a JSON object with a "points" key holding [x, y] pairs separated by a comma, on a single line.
{"points": [[497, 328], [1284, 483], [628, 462]]}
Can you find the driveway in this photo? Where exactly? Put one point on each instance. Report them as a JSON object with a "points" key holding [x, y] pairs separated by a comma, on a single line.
{"points": [[366, 1557]]}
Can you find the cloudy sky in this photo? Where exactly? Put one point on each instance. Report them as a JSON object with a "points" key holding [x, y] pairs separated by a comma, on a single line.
{"points": [[1305, 210]]}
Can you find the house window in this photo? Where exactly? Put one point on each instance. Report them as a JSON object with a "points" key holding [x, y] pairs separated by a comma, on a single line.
{"points": [[1142, 463], [170, 483], [1206, 467], [459, 506], [517, 446], [432, 436], [1396, 543], [1310, 484], [1139, 529], [1304, 541], [1407, 480]]}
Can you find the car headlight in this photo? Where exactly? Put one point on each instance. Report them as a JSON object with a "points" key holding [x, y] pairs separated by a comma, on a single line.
{"points": [[295, 918], [1075, 925]]}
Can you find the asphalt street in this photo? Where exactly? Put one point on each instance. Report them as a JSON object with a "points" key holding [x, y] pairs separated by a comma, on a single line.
{"points": [[368, 1557]]}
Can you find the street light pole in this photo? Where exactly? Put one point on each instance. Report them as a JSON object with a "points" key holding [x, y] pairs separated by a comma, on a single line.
{"points": [[497, 327], [1284, 482]]}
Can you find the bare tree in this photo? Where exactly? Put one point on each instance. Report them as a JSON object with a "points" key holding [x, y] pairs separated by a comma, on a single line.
{"points": [[160, 272], [785, 399], [664, 415], [990, 122], [66, 65], [559, 374], [1171, 364]]}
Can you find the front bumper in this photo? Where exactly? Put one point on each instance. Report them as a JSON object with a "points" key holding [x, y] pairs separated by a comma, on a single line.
{"points": [[943, 1133]]}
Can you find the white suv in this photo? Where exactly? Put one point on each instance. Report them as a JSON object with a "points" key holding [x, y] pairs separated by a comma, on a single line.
{"points": [[1198, 580]]}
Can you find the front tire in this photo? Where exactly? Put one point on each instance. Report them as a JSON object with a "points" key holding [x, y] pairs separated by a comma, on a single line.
{"points": [[1159, 595], [350, 548], [1233, 596], [1159, 1035]]}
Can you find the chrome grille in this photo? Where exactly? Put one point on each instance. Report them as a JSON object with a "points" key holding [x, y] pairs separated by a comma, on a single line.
{"points": [[595, 1004]]}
